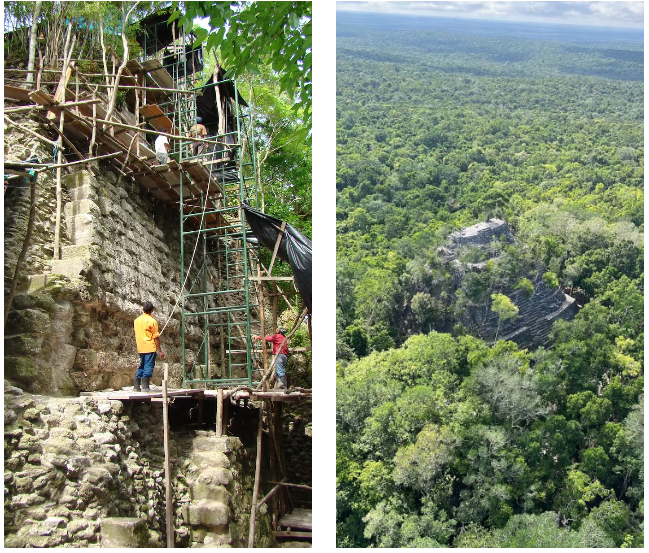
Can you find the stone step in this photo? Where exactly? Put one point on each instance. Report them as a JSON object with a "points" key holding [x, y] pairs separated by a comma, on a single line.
{"points": [[124, 532], [204, 487], [71, 268], [75, 252], [206, 512]]}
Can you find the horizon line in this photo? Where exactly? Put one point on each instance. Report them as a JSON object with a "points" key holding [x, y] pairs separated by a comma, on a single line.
{"points": [[477, 18]]}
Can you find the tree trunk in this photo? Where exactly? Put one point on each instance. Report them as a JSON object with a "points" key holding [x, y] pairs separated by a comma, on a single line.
{"points": [[23, 252], [113, 97], [103, 48], [32, 43]]}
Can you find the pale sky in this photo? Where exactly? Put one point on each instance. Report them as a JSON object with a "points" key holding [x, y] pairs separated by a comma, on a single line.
{"points": [[607, 14]]}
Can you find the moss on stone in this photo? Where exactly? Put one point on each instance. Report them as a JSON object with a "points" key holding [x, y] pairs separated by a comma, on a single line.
{"points": [[28, 321], [31, 373], [34, 301], [23, 344]]}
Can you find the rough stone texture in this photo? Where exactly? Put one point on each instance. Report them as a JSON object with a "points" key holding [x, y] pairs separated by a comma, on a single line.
{"points": [[536, 314], [124, 532], [73, 463], [70, 327], [481, 234]]}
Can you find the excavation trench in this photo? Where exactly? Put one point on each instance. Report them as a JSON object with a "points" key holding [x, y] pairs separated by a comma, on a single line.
{"points": [[87, 471]]}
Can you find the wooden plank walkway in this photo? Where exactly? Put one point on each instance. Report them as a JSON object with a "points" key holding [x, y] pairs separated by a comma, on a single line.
{"points": [[126, 395], [301, 519]]}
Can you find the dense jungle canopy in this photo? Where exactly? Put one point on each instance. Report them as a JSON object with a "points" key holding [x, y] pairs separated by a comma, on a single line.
{"points": [[443, 439]]}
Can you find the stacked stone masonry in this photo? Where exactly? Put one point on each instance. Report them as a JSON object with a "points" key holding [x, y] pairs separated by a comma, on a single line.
{"points": [[71, 328], [73, 463], [536, 314]]}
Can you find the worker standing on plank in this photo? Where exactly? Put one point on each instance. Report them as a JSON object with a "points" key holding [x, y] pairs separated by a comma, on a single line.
{"points": [[280, 364], [199, 131], [147, 338], [162, 149]]}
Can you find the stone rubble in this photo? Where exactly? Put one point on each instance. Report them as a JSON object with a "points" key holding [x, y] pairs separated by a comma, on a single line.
{"points": [[71, 464]]}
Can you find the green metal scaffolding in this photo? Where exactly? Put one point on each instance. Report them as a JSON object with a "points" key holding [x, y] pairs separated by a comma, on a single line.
{"points": [[216, 260]]}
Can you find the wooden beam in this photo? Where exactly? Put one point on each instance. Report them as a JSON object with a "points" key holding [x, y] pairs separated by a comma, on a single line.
{"points": [[168, 495], [270, 278], [115, 154], [29, 131], [255, 491], [300, 486], [270, 493], [280, 235], [57, 105], [281, 534], [219, 413], [174, 136]]}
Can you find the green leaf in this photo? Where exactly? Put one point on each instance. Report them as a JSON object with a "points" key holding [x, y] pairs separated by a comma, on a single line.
{"points": [[174, 16]]}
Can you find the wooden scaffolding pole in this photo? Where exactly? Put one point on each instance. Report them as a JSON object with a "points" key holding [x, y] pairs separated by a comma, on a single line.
{"points": [[168, 495], [255, 491], [59, 193], [219, 413]]}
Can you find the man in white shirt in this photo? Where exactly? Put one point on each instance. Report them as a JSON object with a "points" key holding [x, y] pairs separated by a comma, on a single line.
{"points": [[162, 149]]}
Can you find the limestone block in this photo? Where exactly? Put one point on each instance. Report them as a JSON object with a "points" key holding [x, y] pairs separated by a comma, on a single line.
{"points": [[29, 372], [81, 207], [105, 438], [22, 501], [10, 416], [86, 360], [204, 489], [81, 229], [207, 513], [23, 344], [28, 320], [213, 475], [207, 441], [127, 207], [71, 268], [77, 525], [34, 301], [76, 464], [124, 532], [78, 252], [213, 540], [97, 475], [32, 414], [83, 193], [30, 443], [79, 179], [59, 446], [63, 356], [51, 283], [88, 381]]}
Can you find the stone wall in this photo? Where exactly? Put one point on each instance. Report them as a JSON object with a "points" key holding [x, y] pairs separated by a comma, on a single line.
{"points": [[297, 433], [19, 146], [71, 324], [537, 313], [72, 463]]}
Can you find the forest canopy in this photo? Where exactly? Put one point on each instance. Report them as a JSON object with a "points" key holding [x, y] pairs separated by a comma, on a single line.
{"points": [[445, 439]]}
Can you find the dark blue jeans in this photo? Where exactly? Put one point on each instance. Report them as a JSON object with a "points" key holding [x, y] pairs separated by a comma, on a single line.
{"points": [[147, 364]]}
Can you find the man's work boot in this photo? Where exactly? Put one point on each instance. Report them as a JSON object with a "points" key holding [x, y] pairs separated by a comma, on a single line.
{"points": [[145, 384], [136, 385], [281, 382]]}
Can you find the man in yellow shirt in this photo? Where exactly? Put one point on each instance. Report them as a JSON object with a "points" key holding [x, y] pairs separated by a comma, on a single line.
{"points": [[147, 338]]}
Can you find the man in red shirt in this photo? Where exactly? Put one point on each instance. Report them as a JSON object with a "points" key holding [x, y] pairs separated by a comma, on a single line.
{"points": [[280, 364]]}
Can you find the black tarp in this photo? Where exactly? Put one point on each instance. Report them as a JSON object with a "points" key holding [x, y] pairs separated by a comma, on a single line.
{"points": [[154, 31], [294, 248], [206, 103]]}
